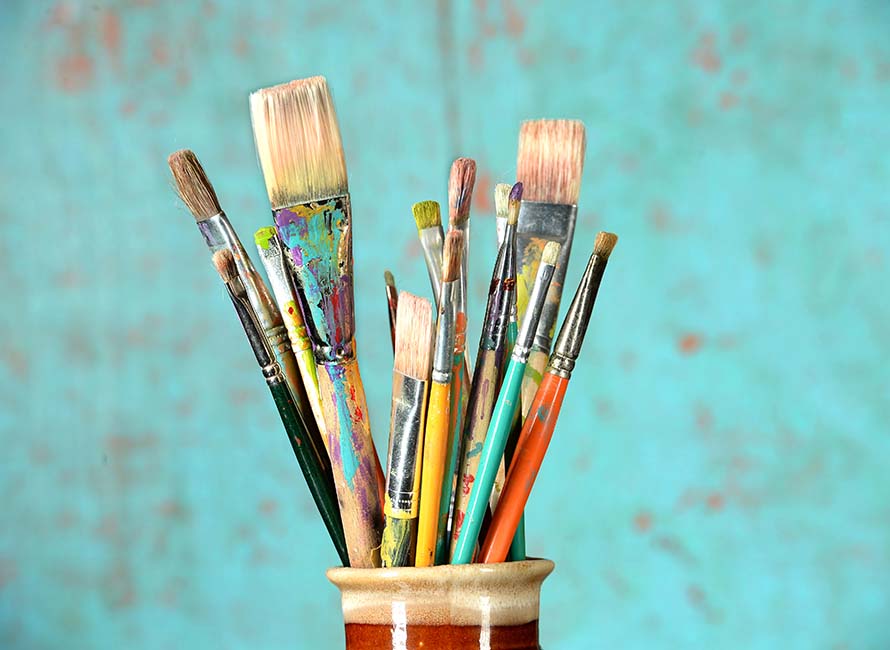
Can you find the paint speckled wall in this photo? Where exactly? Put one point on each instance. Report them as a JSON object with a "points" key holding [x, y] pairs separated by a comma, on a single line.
{"points": [[719, 478]]}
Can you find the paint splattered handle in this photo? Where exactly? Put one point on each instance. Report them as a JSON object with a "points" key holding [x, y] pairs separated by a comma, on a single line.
{"points": [[534, 372], [533, 442], [358, 476]]}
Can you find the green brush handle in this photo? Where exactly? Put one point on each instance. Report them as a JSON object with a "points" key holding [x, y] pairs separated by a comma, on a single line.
{"points": [[313, 471]]}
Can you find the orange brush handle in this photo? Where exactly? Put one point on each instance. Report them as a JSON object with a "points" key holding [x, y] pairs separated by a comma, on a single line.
{"points": [[533, 441], [358, 476]]}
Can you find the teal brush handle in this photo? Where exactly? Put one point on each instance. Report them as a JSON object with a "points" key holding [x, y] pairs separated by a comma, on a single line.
{"points": [[313, 471], [492, 452]]}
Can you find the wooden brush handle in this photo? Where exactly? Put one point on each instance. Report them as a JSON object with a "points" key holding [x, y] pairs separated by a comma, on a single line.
{"points": [[435, 451], [358, 476], [397, 548], [533, 441], [534, 372]]}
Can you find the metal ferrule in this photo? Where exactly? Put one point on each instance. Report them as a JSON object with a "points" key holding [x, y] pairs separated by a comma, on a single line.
{"points": [[432, 242], [523, 346], [571, 335], [278, 270], [500, 297], [258, 343], [500, 225], [219, 235], [408, 416], [462, 296], [443, 354], [319, 238], [538, 224]]}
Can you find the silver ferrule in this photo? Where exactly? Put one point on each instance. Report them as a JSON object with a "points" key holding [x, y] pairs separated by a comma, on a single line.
{"points": [[219, 235], [278, 271], [571, 334], [258, 343], [523, 346], [501, 228], [551, 222], [432, 242], [443, 353], [408, 416]]}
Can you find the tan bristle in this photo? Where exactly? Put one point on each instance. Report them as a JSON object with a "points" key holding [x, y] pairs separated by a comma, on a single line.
{"points": [[551, 252], [387, 277], [191, 182], [605, 242], [551, 160], [452, 252], [460, 191], [298, 142], [414, 336], [427, 214], [224, 262], [501, 200]]}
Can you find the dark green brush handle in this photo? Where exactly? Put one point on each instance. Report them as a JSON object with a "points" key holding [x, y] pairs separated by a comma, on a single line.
{"points": [[313, 472]]}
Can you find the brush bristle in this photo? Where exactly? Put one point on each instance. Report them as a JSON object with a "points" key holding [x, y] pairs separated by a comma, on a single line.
{"points": [[501, 200], [414, 336], [224, 262], [605, 242], [191, 182], [460, 191], [451, 255], [427, 214], [551, 160], [551, 253], [513, 204], [298, 142], [387, 277]]}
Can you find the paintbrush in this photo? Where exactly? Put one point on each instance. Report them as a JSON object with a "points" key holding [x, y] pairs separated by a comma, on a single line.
{"points": [[200, 198], [492, 345], [501, 203], [436, 435], [460, 196], [392, 304], [538, 427], [504, 414], [294, 424], [299, 148], [549, 165], [278, 270], [410, 383], [429, 231]]}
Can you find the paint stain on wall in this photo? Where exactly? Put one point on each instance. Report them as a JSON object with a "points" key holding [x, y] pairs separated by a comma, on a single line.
{"points": [[705, 56], [689, 343]]}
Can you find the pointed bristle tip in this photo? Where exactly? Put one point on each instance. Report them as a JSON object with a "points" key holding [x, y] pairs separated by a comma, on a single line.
{"points": [[388, 278], [192, 184], [451, 256], [224, 262]]}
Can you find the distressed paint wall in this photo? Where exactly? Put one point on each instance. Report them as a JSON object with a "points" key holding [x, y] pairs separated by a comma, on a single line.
{"points": [[725, 438]]}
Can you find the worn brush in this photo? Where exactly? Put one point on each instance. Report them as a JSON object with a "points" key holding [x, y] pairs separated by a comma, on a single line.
{"points": [[410, 384], [492, 347], [392, 304], [436, 445], [429, 230], [460, 196], [199, 197], [294, 424], [301, 155], [505, 410], [538, 427], [501, 209], [549, 164]]}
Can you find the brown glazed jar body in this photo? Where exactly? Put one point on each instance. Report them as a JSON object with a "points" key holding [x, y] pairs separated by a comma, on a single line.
{"points": [[484, 606]]}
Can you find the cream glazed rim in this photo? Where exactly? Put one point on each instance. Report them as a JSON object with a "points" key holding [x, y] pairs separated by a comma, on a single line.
{"points": [[507, 572]]}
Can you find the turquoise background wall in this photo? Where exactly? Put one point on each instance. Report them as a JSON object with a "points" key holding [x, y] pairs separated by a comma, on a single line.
{"points": [[719, 478]]}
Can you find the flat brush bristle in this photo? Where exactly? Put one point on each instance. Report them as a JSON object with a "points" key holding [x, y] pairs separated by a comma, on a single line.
{"points": [[191, 182], [414, 334], [460, 191], [604, 243], [513, 204], [501, 200], [454, 248], [224, 262], [298, 142], [426, 214], [551, 252], [551, 160]]}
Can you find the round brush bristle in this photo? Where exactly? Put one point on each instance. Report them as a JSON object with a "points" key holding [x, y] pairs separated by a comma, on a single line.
{"points": [[453, 249], [551, 253]]}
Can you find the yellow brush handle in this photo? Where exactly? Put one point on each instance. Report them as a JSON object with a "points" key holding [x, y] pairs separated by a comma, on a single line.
{"points": [[435, 448], [302, 346], [358, 476]]}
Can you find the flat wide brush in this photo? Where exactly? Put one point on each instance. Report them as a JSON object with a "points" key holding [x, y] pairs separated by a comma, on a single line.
{"points": [[410, 384], [538, 427], [298, 143], [293, 422]]}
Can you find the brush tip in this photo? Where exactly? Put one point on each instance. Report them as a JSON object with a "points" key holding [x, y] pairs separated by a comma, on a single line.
{"points": [[264, 236], [460, 190], [451, 255], [224, 262], [192, 184], [501, 200], [551, 160], [551, 253], [427, 214], [605, 242], [513, 204], [389, 279], [414, 336]]}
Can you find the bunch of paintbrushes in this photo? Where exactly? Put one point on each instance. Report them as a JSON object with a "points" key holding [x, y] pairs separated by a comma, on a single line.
{"points": [[464, 449]]}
